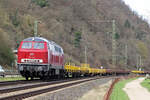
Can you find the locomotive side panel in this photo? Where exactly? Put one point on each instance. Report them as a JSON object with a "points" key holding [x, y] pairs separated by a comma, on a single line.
{"points": [[56, 56]]}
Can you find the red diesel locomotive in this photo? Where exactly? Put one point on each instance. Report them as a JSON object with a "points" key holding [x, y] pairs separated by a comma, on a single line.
{"points": [[39, 57]]}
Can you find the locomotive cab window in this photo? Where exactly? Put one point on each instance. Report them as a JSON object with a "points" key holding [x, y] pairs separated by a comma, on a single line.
{"points": [[60, 50], [57, 49], [38, 45], [27, 45]]}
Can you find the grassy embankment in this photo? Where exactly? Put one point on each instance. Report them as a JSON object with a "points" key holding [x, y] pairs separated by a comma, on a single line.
{"points": [[11, 78], [146, 84], [118, 93]]}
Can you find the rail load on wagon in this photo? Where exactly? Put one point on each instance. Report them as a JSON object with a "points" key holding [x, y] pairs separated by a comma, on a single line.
{"points": [[137, 72]]}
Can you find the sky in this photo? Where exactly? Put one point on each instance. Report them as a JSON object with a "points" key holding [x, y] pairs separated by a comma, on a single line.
{"points": [[142, 7]]}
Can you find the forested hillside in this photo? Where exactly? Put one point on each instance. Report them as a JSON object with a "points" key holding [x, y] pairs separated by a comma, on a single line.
{"points": [[75, 24]]}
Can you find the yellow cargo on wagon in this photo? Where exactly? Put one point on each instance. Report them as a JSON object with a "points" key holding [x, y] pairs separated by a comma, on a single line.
{"points": [[85, 68], [71, 67], [102, 71], [137, 72]]}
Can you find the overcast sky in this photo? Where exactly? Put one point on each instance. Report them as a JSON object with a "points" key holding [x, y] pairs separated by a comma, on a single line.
{"points": [[142, 7]]}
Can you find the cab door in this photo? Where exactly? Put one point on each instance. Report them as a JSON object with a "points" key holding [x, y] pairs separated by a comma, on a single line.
{"points": [[49, 53]]}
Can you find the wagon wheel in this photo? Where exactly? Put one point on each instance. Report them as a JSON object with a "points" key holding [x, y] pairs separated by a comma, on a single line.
{"points": [[27, 78]]}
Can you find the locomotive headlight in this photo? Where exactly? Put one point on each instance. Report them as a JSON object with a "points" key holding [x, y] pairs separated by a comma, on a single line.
{"points": [[41, 61], [23, 60]]}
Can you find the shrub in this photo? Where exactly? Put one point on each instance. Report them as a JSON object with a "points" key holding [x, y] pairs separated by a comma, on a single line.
{"points": [[140, 35], [6, 54], [77, 39], [41, 3], [116, 36], [127, 24], [142, 49], [14, 18]]}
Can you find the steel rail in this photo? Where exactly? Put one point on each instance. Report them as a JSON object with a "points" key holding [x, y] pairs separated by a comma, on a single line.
{"points": [[50, 89], [7, 83], [8, 90]]}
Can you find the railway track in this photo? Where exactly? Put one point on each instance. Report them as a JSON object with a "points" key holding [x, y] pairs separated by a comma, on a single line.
{"points": [[53, 86], [7, 83], [13, 89]]}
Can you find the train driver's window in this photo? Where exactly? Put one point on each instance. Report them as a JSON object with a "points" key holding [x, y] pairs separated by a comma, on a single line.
{"points": [[27, 45], [59, 50], [38, 45]]}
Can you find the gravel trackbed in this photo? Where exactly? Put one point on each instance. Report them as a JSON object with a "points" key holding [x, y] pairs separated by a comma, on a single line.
{"points": [[72, 93]]}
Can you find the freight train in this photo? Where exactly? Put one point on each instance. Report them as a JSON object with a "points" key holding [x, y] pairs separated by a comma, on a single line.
{"points": [[39, 57]]}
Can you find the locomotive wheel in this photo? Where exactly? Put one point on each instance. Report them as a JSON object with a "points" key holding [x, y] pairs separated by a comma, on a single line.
{"points": [[27, 78], [32, 77], [41, 78]]}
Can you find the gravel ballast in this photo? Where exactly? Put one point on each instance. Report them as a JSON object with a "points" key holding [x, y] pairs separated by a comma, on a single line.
{"points": [[72, 93]]}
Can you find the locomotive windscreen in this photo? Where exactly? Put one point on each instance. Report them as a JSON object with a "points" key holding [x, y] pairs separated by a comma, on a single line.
{"points": [[38, 45], [27, 45]]}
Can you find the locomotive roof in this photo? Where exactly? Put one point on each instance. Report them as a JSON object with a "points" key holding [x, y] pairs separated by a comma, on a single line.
{"points": [[40, 39]]}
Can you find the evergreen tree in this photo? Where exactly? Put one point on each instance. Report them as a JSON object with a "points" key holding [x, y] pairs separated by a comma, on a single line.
{"points": [[127, 24], [77, 39]]}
